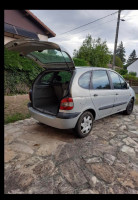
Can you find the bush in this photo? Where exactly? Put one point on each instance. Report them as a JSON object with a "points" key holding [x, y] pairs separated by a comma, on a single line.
{"points": [[130, 77], [123, 71], [19, 73], [133, 73], [80, 62]]}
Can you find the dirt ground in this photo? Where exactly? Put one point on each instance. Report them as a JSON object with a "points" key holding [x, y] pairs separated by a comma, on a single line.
{"points": [[16, 104]]}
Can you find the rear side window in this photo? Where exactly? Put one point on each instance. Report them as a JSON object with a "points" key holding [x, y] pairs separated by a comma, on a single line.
{"points": [[100, 80], [51, 56], [84, 80], [115, 80], [56, 77], [46, 79], [65, 76]]}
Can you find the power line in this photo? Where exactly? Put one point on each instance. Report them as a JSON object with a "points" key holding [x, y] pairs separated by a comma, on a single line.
{"points": [[88, 28], [88, 23]]}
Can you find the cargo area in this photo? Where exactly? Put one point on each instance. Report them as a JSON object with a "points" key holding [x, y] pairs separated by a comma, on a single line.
{"points": [[49, 89]]}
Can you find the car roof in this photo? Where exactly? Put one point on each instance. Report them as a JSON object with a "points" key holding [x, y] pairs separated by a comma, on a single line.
{"points": [[86, 68]]}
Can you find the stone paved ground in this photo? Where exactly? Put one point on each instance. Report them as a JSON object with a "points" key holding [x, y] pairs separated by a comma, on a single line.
{"points": [[45, 160]]}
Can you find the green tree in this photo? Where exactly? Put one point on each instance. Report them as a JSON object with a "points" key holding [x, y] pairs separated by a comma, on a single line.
{"points": [[118, 61], [94, 52], [120, 52], [132, 57], [80, 62]]}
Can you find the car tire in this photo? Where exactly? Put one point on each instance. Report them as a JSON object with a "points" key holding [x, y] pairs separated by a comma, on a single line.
{"points": [[129, 107], [84, 124]]}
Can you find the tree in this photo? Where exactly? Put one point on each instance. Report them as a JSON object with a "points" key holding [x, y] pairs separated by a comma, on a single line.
{"points": [[80, 62], [95, 52], [132, 57], [120, 52], [118, 61]]}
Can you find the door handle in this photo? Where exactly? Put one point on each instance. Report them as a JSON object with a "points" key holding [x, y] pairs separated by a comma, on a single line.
{"points": [[95, 95]]}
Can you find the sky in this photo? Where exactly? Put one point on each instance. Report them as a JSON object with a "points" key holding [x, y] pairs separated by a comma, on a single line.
{"points": [[61, 21]]}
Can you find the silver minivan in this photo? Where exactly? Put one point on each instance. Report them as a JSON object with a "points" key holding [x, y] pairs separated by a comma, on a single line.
{"points": [[68, 97]]}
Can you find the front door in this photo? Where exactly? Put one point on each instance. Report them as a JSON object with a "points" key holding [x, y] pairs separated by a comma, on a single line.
{"points": [[122, 94], [102, 95]]}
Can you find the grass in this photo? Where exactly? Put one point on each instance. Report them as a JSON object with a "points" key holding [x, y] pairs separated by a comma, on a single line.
{"points": [[15, 117], [136, 102], [15, 108]]}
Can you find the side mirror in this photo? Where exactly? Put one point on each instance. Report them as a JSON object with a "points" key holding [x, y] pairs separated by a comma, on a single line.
{"points": [[128, 86]]}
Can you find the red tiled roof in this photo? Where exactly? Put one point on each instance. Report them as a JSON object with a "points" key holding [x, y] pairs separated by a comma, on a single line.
{"points": [[41, 23]]}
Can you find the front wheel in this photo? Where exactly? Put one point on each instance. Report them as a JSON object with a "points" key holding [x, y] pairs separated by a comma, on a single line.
{"points": [[84, 124], [129, 107]]}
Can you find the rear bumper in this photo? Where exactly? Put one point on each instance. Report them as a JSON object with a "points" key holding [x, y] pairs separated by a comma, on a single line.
{"points": [[61, 121]]}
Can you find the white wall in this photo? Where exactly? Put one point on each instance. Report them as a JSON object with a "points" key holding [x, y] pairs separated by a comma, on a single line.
{"points": [[133, 67], [43, 37]]}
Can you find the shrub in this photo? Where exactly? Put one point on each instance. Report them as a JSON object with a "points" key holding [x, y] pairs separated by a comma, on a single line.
{"points": [[130, 77], [123, 71], [19, 73], [133, 73], [80, 62]]}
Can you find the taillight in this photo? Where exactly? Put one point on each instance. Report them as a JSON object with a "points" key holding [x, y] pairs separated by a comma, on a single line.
{"points": [[30, 95], [66, 104]]}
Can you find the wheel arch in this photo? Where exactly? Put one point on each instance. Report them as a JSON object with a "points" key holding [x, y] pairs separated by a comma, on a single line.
{"points": [[92, 111]]}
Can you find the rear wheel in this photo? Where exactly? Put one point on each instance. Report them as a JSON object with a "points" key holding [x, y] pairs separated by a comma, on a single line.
{"points": [[129, 107], [84, 124]]}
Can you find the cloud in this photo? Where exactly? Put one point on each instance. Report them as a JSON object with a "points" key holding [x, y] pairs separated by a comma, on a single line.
{"points": [[61, 21]]}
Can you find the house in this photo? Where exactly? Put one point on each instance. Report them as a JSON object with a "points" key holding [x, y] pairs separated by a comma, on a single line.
{"points": [[133, 67], [24, 24]]}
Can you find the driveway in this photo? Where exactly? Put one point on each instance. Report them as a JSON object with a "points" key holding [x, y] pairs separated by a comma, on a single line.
{"points": [[44, 160]]}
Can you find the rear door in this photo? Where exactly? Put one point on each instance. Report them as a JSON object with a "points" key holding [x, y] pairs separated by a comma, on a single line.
{"points": [[122, 94], [47, 54], [102, 95]]}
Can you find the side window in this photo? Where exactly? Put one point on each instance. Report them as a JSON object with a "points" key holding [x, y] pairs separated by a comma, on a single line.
{"points": [[115, 80], [65, 76], [46, 79], [84, 80], [100, 80], [123, 83]]}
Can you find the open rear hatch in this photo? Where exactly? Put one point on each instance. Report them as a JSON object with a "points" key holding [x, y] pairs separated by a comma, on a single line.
{"points": [[53, 84], [47, 54]]}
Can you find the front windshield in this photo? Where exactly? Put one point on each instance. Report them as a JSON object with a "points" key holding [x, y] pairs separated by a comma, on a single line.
{"points": [[51, 56]]}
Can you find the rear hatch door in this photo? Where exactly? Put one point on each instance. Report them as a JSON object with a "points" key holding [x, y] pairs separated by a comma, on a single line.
{"points": [[47, 54]]}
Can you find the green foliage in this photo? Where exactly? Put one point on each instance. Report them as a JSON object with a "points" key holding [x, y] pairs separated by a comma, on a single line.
{"points": [[80, 62], [130, 77], [65, 76], [94, 52], [118, 61], [15, 117], [136, 101], [131, 58], [120, 52], [123, 71], [133, 73], [19, 72]]}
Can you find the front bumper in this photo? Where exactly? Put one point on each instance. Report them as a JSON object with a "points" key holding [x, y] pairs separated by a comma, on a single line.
{"points": [[61, 121]]}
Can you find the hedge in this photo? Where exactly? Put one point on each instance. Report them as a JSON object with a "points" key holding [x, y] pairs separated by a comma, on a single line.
{"points": [[19, 73]]}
